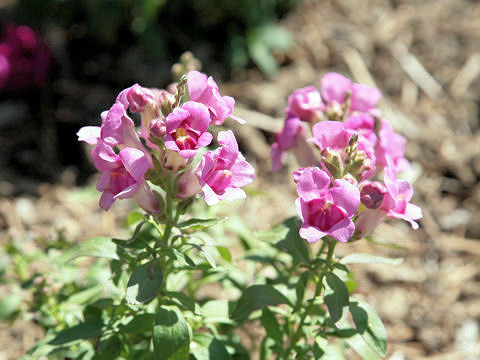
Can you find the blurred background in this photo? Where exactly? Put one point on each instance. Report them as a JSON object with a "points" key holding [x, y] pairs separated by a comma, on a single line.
{"points": [[62, 62]]}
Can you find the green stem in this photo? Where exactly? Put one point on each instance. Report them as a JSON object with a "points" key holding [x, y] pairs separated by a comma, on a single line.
{"points": [[318, 289]]}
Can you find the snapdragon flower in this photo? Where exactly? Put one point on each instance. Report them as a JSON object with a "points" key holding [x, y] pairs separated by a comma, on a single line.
{"points": [[324, 209], [186, 129], [224, 171]]}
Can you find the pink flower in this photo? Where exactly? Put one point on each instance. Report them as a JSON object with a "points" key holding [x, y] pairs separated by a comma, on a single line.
{"points": [[205, 91], [364, 97], [224, 171], [331, 134], [372, 194], [4, 70], [333, 138], [136, 98], [325, 210], [335, 87], [391, 145], [123, 176], [364, 125], [117, 130], [187, 129], [188, 184], [396, 201], [26, 58], [367, 221], [292, 136], [305, 103]]}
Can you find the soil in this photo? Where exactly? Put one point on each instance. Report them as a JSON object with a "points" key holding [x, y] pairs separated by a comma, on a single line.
{"points": [[425, 58]]}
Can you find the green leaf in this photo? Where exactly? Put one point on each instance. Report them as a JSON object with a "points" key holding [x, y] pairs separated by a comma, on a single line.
{"points": [[185, 300], [182, 258], [300, 288], [359, 258], [86, 296], [134, 217], [216, 311], [290, 241], [225, 253], [369, 326], [271, 325], [336, 297], [358, 344], [89, 329], [257, 297], [97, 247], [206, 254], [108, 348], [209, 348], [199, 224], [140, 323], [8, 305], [144, 282], [171, 335], [264, 39]]}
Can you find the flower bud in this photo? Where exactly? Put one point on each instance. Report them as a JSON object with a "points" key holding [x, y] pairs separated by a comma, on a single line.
{"points": [[188, 185], [173, 161], [333, 162], [372, 194], [367, 221], [157, 128]]}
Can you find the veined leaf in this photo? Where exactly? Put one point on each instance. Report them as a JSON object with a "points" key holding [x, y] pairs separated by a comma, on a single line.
{"points": [[98, 247], [336, 296], [369, 326], [171, 335], [144, 282], [257, 297]]}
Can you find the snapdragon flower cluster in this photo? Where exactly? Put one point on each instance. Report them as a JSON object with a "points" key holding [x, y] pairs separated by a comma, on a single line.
{"points": [[350, 158], [172, 133]]}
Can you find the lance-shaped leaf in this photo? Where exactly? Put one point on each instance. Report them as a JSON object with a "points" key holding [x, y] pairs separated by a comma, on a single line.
{"points": [[369, 326], [144, 282], [87, 330], [171, 335], [257, 297], [336, 296], [98, 247], [209, 348], [199, 224]]}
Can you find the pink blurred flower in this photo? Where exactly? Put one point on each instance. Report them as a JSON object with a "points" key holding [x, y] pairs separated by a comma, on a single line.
{"points": [[334, 91], [391, 146], [305, 103], [367, 221], [396, 202], [28, 58], [364, 125], [325, 210], [188, 184], [136, 98], [205, 90], [187, 129], [292, 136], [123, 176], [224, 171]]}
